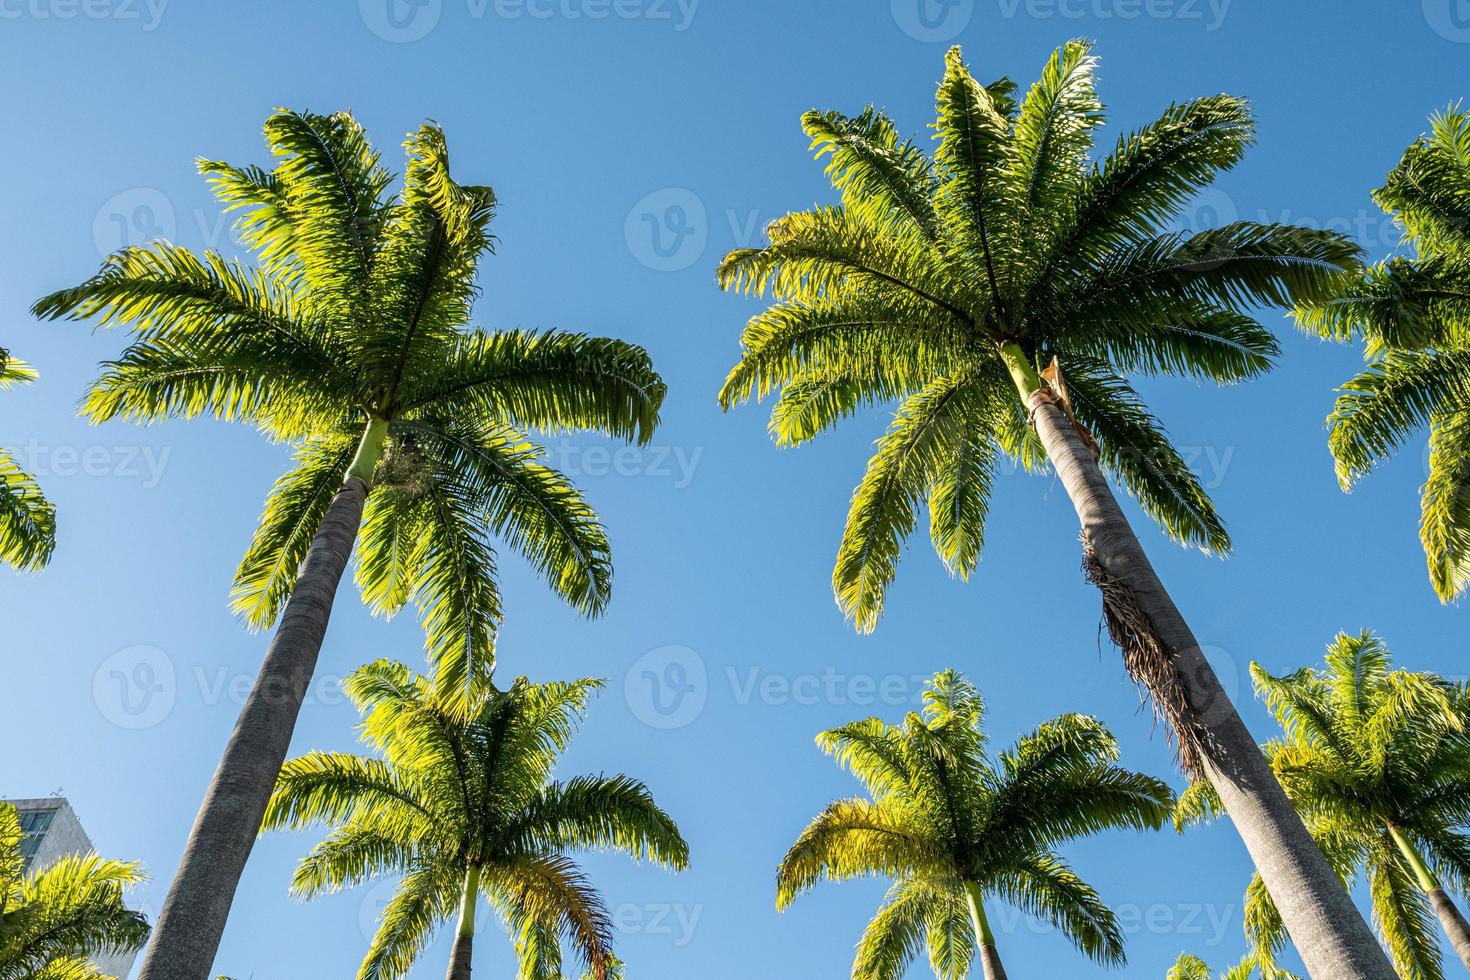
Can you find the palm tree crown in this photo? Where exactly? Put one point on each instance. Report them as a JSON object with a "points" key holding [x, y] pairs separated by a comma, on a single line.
{"points": [[952, 827], [27, 518], [948, 282], [52, 920], [1189, 967], [1375, 761], [351, 328], [1415, 315], [459, 807]]}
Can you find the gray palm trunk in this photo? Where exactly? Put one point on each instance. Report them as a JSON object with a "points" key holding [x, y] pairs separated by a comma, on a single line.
{"points": [[1334, 941], [1453, 922], [1445, 909], [459, 956], [990, 965], [193, 916]]}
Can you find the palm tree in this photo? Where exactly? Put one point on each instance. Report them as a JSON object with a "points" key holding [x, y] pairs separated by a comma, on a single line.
{"points": [[1189, 967], [1414, 314], [52, 921], [1001, 291], [954, 829], [348, 337], [463, 808], [27, 518], [1376, 761]]}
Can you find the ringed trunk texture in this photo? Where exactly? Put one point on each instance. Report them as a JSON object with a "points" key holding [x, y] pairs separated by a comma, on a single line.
{"points": [[990, 964], [464, 936], [187, 933], [459, 956], [1329, 933]]}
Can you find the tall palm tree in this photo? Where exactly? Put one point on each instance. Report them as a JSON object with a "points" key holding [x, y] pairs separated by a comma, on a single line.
{"points": [[53, 920], [464, 808], [27, 518], [1001, 292], [954, 829], [349, 337], [1189, 967], [1414, 314], [1377, 761]]}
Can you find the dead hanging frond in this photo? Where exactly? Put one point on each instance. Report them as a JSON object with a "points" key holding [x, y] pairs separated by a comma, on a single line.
{"points": [[1147, 660], [404, 471]]}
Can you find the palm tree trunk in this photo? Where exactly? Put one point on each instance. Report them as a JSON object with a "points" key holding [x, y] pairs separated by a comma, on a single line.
{"points": [[193, 916], [1331, 936], [464, 936], [1444, 907], [990, 964]]}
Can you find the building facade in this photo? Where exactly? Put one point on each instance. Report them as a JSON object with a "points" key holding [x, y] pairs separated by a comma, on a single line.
{"points": [[52, 831]]}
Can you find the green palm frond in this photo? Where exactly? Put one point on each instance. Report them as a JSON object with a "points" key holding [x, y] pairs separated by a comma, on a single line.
{"points": [[1189, 967], [1413, 312], [352, 316], [294, 509], [1403, 916], [462, 779], [1045, 887], [406, 924], [1137, 451], [1007, 237], [900, 929], [27, 518], [55, 918], [1369, 753], [942, 817]]}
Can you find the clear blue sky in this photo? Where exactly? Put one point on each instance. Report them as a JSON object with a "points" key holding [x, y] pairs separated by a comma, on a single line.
{"points": [[601, 123]]}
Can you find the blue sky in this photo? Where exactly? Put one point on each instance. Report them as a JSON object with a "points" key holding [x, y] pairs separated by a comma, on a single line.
{"points": [[631, 143]]}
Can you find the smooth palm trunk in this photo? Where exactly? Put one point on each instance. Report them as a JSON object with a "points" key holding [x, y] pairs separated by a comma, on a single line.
{"points": [[1329, 933], [193, 916], [1449, 915], [990, 965], [464, 936]]}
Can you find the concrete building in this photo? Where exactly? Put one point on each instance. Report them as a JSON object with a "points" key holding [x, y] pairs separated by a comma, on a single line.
{"points": [[52, 831]]}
